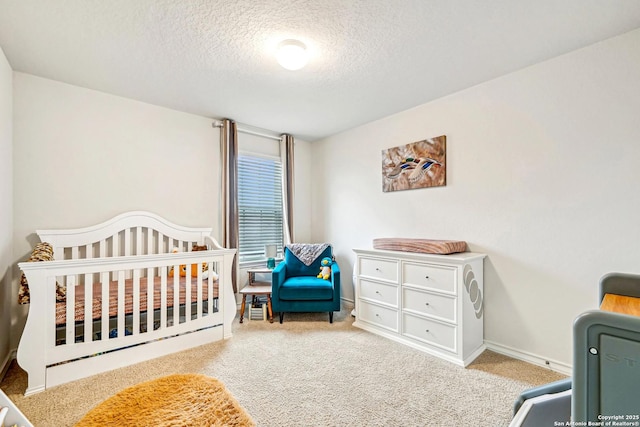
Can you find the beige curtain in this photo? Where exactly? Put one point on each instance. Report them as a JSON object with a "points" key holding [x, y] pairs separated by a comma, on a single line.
{"points": [[229, 156], [286, 154]]}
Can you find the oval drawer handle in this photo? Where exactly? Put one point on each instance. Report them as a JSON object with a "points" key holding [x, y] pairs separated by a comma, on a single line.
{"points": [[378, 292], [377, 315], [377, 269], [426, 303], [426, 330], [426, 277]]}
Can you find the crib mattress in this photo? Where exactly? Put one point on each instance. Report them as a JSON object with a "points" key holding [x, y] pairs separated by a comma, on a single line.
{"points": [[61, 307]]}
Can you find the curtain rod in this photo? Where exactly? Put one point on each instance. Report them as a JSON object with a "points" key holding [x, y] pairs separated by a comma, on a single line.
{"points": [[250, 132]]}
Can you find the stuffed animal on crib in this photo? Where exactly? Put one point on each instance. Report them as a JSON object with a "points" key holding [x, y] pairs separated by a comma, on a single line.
{"points": [[194, 267], [325, 268]]}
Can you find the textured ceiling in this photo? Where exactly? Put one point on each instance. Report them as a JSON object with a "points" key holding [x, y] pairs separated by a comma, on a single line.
{"points": [[370, 58]]}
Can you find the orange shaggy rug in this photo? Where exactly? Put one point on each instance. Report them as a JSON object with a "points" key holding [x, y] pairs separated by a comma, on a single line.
{"points": [[175, 400]]}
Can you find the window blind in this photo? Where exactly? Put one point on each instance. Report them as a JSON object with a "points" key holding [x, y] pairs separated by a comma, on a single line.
{"points": [[259, 206]]}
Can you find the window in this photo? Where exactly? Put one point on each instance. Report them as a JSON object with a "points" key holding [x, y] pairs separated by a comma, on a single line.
{"points": [[259, 206]]}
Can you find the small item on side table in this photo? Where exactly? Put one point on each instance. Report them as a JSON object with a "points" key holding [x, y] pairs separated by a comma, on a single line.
{"points": [[270, 253]]}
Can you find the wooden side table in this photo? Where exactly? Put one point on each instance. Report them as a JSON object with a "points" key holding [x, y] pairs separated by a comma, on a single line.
{"points": [[256, 288]]}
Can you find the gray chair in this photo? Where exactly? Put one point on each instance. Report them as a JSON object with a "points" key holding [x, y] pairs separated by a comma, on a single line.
{"points": [[606, 369]]}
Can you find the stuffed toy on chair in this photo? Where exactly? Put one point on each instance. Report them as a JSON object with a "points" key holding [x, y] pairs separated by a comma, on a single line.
{"points": [[325, 268]]}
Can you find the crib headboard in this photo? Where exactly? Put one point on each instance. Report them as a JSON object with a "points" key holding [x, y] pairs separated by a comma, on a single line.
{"points": [[130, 233]]}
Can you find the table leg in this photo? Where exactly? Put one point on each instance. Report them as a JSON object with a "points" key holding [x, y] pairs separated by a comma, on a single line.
{"points": [[269, 308], [244, 301]]}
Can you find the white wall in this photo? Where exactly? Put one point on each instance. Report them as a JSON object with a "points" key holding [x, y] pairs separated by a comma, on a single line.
{"points": [[542, 169], [6, 207]]}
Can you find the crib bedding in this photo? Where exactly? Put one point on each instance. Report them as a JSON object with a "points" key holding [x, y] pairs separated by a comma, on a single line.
{"points": [[61, 307]]}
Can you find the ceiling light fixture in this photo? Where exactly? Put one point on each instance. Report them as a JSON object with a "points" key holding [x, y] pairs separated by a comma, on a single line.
{"points": [[292, 54]]}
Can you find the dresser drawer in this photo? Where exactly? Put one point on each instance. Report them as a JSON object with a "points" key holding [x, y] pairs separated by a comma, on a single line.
{"points": [[428, 331], [385, 317], [379, 269], [430, 276], [440, 306], [381, 292]]}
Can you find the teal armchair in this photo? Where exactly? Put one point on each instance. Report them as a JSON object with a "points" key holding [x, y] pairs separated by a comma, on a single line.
{"points": [[296, 288]]}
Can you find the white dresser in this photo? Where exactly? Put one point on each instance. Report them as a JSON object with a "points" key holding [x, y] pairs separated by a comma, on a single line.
{"points": [[433, 303]]}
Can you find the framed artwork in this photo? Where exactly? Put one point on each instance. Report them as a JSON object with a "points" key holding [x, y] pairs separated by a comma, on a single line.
{"points": [[417, 165]]}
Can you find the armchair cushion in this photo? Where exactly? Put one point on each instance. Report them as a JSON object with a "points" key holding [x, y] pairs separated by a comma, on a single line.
{"points": [[306, 288]]}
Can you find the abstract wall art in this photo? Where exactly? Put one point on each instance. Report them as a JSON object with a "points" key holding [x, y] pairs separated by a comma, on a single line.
{"points": [[417, 165]]}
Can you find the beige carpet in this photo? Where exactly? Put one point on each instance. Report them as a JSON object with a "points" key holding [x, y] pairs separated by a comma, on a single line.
{"points": [[192, 400], [308, 372]]}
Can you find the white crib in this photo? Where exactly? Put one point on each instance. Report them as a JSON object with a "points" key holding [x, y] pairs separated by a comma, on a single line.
{"points": [[138, 309]]}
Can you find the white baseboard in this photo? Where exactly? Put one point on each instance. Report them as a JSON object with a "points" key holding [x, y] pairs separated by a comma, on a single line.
{"points": [[534, 359]]}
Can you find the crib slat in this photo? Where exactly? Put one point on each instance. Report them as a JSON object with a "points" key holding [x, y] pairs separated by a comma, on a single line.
{"points": [[199, 293], [187, 294], [127, 242], [150, 246], [104, 315], [138, 241], [121, 313], [163, 297], [70, 333], [88, 307], [210, 289], [176, 295], [74, 252], [161, 249], [150, 299], [115, 244], [103, 248], [136, 301], [127, 251]]}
